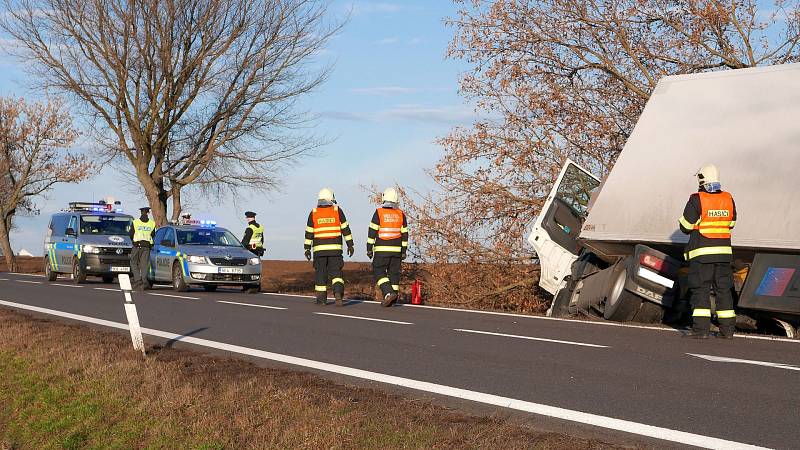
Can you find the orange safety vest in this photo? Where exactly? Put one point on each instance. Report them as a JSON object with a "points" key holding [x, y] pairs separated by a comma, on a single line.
{"points": [[391, 223], [326, 223], [716, 217]]}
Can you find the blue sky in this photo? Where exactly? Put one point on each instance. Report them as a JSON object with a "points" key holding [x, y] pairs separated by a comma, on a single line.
{"points": [[390, 95]]}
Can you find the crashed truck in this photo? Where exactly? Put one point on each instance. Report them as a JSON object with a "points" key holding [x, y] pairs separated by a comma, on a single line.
{"points": [[613, 249]]}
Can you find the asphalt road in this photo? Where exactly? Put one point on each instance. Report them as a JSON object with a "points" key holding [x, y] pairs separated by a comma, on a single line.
{"points": [[745, 391]]}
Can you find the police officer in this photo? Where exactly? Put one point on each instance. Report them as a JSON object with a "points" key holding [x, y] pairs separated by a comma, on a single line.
{"points": [[324, 230], [708, 218], [142, 236], [387, 244], [253, 237]]}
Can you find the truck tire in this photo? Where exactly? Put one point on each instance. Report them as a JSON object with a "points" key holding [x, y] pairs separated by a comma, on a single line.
{"points": [[177, 279], [48, 271], [78, 274], [620, 305], [649, 313]]}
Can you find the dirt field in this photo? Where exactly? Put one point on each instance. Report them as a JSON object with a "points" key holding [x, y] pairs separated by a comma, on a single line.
{"points": [[70, 386]]}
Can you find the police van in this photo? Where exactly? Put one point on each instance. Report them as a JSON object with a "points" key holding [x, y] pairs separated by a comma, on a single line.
{"points": [[88, 239], [199, 253]]}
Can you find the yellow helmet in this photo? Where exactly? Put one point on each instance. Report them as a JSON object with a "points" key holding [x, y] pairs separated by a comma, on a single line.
{"points": [[390, 195], [326, 195]]}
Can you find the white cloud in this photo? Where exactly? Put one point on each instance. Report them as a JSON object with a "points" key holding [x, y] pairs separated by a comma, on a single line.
{"points": [[387, 41], [450, 115]]}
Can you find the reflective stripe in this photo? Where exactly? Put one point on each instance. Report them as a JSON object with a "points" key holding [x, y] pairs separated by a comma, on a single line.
{"points": [[383, 280], [396, 287], [317, 230], [701, 312], [723, 250], [716, 230], [337, 280], [405, 243], [370, 240], [308, 242], [309, 230], [725, 223], [326, 235], [321, 288], [404, 230], [733, 223], [686, 224], [388, 249], [319, 248], [349, 237], [374, 226], [726, 314], [345, 225]]}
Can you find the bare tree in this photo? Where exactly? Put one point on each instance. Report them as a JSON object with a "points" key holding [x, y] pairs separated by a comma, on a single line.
{"points": [[558, 79], [183, 92], [33, 139]]}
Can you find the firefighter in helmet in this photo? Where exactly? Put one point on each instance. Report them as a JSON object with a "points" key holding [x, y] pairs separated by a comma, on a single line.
{"points": [[387, 244], [325, 228]]}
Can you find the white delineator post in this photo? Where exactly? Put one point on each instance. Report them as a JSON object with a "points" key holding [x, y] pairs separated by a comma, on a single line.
{"points": [[130, 312]]}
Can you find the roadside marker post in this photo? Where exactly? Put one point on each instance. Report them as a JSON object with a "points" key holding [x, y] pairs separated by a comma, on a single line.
{"points": [[130, 312]]}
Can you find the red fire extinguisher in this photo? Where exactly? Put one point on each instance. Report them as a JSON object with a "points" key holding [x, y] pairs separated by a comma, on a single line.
{"points": [[416, 293]]}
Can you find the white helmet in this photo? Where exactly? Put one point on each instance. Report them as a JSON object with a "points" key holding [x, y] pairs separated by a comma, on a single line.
{"points": [[326, 195], [390, 195], [708, 178]]}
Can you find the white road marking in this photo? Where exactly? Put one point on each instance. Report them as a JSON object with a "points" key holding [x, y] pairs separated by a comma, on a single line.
{"points": [[557, 319], [28, 274], [173, 296], [557, 341], [4, 279], [250, 304], [108, 289], [66, 285], [28, 281], [364, 318], [626, 426], [725, 359]]}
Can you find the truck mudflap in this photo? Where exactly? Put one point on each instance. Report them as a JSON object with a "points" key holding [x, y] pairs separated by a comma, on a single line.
{"points": [[773, 285]]}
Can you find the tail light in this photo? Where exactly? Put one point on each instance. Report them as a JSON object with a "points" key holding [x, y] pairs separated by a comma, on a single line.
{"points": [[657, 264]]}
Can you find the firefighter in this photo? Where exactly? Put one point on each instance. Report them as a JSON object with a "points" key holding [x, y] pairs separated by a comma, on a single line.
{"points": [[141, 235], [708, 219], [253, 237], [387, 245], [324, 230]]}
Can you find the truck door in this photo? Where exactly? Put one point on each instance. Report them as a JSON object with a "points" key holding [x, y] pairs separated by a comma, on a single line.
{"points": [[556, 229]]}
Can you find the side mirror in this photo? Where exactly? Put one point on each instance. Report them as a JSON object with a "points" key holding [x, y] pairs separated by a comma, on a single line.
{"points": [[167, 243], [71, 232]]}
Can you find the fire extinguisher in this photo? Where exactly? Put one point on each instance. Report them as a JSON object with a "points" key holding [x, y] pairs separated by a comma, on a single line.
{"points": [[416, 293]]}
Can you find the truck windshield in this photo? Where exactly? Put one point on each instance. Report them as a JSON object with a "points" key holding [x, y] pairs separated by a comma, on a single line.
{"points": [[208, 237], [576, 189], [106, 225]]}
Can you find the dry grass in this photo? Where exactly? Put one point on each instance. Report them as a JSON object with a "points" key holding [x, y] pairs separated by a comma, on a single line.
{"points": [[69, 386]]}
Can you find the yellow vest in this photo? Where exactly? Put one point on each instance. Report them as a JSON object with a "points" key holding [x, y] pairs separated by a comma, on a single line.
{"points": [[143, 231], [258, 235]]}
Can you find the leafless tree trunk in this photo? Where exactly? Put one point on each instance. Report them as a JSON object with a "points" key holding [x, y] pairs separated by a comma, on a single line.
{"points": [[183, 92]]}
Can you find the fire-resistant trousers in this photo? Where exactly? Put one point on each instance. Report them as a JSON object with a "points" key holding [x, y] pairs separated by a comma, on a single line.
{"points": [[140, 266], [328, 269], [702, 276], [386, 268]]}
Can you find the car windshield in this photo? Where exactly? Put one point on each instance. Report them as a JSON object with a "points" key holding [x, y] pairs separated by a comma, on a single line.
{"points": [[208, 237], [106, 225]]}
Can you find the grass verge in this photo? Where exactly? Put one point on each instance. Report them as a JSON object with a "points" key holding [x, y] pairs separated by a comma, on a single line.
{"points": [[71, 386]]}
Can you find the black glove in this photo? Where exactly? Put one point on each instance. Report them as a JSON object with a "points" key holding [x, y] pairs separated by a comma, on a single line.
{"points": [[308, 255], [403, 255], [369, 254], [350, 250]]}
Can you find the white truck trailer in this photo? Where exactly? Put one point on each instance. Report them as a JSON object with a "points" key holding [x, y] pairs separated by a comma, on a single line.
{"points": [[614, 249]]}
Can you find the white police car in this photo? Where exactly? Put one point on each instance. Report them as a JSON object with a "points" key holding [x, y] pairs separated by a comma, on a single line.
{"points": [[202, 254]]}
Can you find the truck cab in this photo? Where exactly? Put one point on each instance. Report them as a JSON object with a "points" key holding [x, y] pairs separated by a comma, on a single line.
{"points": [[88, 239]]}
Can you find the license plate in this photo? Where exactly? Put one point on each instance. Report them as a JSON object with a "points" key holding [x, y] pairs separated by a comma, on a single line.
{"points": [[230, 270], [120, 269]]}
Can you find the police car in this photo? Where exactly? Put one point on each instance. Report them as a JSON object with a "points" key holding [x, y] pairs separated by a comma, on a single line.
{"points": [[88, 239], [200, 253]]}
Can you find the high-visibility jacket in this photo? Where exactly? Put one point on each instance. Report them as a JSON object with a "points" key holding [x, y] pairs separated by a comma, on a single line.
{"points": [[256, 236], [388, 231], [325, 228], [143, 231], [708, 218]]}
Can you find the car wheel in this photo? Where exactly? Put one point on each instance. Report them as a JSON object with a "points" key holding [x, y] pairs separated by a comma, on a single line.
{"points": [[78, 274], [177, 279], [108, 279], [252, 289], [48, 271], [210, 287]]}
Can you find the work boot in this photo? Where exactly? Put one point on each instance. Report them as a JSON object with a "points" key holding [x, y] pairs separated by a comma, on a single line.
{"points": [[695, 334], [388, 299], [338, 296]]}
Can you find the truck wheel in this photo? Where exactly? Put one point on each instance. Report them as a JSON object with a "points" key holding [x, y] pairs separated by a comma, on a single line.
{"points": [[48, 271], [649, 313], [210, 287], [108, 279], [78, 274], [177, 279], [621, 305]]}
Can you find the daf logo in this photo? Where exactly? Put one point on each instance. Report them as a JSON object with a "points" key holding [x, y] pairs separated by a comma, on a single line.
{"points": [[119, 251]]}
